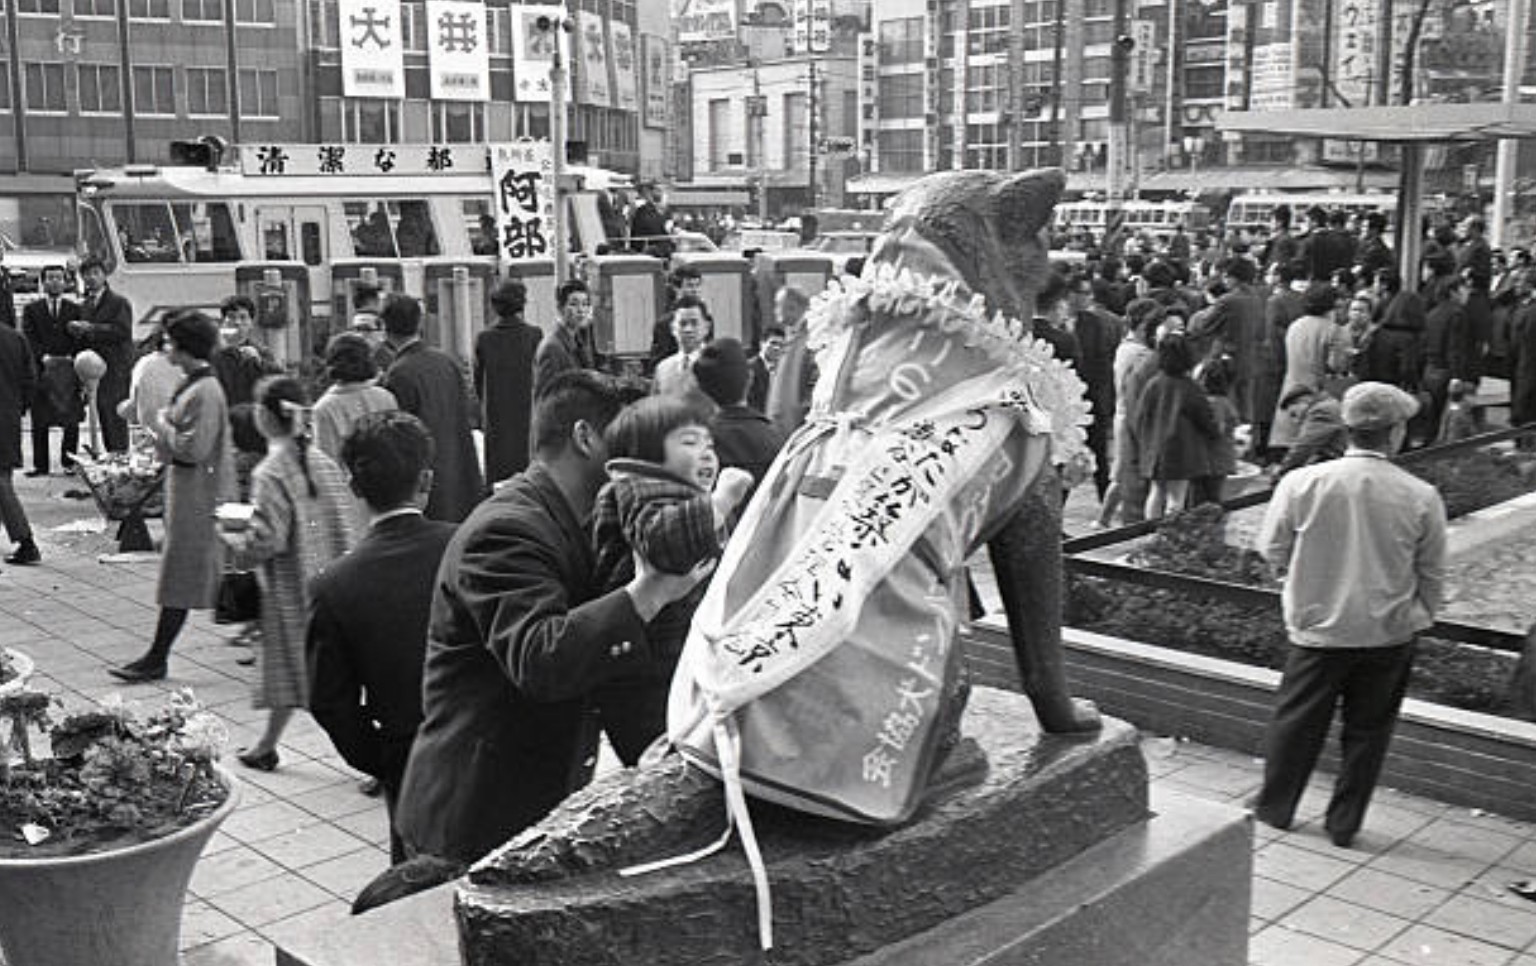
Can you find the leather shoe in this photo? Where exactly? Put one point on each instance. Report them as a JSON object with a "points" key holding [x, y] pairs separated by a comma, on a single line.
{"points": [[26, 554], [262, 762], [138, 672], [35, 473], [1342, 839]]}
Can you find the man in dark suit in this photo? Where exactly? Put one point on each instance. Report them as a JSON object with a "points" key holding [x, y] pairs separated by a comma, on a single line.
{"points": [[365, 648], [16, 382], [519, 634], [648, 224], [429, 385], [106, 326], [568, 345], [503, 371], [57, 401], [744, 437]]}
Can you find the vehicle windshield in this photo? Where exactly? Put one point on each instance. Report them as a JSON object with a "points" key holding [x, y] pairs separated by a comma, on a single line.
{"points": [[842, 244]]}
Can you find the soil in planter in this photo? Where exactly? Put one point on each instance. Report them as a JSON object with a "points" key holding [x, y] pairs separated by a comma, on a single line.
{"points": [[1193, 543], [1471, 481]]}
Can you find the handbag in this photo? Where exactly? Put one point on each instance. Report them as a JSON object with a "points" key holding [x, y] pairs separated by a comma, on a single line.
{"points": [[239, 599]]}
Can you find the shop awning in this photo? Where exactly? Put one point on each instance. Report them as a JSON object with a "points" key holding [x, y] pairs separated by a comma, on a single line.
{"points": [[1416, 123]]}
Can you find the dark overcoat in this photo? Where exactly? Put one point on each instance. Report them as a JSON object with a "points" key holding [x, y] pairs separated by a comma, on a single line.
{"points": [[504, 356], [429, 385], [1175, 427], [17, 379], [58, 401], [518, 636]]}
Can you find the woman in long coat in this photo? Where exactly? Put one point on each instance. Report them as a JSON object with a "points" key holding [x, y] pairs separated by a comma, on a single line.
{"points": [[1175, 429], [504, 382], [191, 435], [1316, 347], [303, 521]]}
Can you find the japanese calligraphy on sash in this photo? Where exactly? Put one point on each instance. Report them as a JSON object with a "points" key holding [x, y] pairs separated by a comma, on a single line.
{"points": [[372, 48], [592, 85], [458, 50], [522, 175], [625, 86]]}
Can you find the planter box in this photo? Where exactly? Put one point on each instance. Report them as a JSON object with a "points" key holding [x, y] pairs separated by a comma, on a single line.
{"points": [[1460, 757]]}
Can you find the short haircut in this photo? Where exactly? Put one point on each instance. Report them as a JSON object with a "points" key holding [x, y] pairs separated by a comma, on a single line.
{"points": [[774, 332], [401, 316], [1293, 270], [684, 273], [509, 297], [1241, 269], [1376, 222], [692, 302], [365, 293], [1339, 218], [576, 395], [1389, 279], [1319, 299], [1145, 315], [854, 266], [92, 261], [572, 287], [1159, 274], [1317, 215], [640, 429], [236, 303], [349, 358], [722, 371], [62, 270], [1216, 376], [1174, 355], [242, 429], [1370, 437], [1295, 393], [193, 332], [385, 455], [794, 297], [1281, 215], [1476, 224], [1051, 293]]}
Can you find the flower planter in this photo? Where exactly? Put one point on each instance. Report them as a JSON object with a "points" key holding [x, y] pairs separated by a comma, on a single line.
{"points": [[1460, 757], [120, 907], [22, 665]]}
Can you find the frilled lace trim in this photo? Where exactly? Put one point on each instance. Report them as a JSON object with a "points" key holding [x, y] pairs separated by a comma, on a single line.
{"points": [[1051, 394]]}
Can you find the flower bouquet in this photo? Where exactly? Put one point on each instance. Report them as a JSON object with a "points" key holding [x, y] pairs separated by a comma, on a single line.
{"points": [[125, 485]]}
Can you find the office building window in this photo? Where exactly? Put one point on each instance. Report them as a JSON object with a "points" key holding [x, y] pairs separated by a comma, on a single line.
{"points": [[719, 133], [1204, 82], [45, 87], [5, 85], [101, 88], [413, 23], [96, 8], [499, 20], [901, 151], [368, 121], [901, 41], [986, 88], [901, 95], [259, 12], [797, 132], [47, 8], [458, 122], [202, 11], [258, 93], [207, 91], [987, 32], [154, 90], [149, 9]]}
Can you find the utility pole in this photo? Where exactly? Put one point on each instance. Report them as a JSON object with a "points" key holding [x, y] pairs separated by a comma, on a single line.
{"points": [[1509, 149], [1119, 113], [815, 134], [757, 113], [557, 26]]}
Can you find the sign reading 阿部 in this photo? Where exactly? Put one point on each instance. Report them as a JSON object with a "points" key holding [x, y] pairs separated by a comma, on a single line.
{"points": [[522, 177]]}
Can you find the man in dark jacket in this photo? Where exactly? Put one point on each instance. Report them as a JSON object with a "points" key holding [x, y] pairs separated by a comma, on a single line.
{"points": [[430, 386], [648, 224], [519, 634], [106, 327], [1098, 333], [744, 437], [57, 401], [568, 345], [504, 355], [17, 379], [240, 363], [365, 648], [1233, 325]]}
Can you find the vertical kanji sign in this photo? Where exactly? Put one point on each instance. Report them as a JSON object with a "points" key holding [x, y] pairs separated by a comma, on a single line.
{"points": [[656, 76], [459, 49], [372, 48], [522, 176], [592, 71], [533, 52], [626, 88]]}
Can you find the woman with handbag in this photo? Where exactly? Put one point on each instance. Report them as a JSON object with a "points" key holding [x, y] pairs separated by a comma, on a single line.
{"points": [[303, 520], [191, 434]]}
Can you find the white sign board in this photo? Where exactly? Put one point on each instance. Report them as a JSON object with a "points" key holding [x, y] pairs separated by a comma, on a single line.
{"points": [[275, 159], [1237, 56], [821, 26], [1143, 66], [1274, 78], [533, 52], [654, 74], [372, 48], [522, 175], [626, 87], [458, 50], [592, 68], [1354, 52], [699, 21]]}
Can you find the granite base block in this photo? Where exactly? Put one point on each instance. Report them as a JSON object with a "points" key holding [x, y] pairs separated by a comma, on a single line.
{"points": [[1173, 891], [415, 931]]}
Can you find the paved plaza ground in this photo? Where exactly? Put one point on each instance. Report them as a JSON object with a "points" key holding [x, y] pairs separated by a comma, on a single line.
{"points": [[1426, 883]]}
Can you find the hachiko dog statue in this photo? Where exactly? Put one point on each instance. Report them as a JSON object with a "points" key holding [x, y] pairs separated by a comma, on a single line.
{"points": [[823, 676]]}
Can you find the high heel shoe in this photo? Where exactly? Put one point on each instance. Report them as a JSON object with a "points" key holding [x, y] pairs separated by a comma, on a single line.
{"points": [[261, 762], [139, 671]]}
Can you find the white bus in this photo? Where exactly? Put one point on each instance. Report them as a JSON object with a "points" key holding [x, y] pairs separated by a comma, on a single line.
{"points": [[1157, 217], [1251, 211], [175, 236]]}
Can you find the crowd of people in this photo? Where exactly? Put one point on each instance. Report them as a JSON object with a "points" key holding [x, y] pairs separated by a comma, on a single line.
{"points": [[539, 598]]}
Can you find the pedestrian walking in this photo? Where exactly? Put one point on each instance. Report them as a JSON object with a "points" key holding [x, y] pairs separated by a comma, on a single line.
{"points": [[503, 374], [17, 382], [1362, 544]]}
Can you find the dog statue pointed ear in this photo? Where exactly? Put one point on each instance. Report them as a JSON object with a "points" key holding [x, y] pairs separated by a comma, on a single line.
{"points": [[1025, 202]]}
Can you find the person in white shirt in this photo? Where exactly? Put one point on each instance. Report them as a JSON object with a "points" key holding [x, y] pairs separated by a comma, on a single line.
{"points": [[1362, 542], [691, 326]]}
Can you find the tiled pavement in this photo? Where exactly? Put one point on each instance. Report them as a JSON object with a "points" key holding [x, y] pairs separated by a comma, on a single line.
{"points": [[1426, 883]]}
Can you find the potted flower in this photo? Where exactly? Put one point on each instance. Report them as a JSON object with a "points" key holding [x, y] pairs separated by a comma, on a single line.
{"points": [[98, 837]]}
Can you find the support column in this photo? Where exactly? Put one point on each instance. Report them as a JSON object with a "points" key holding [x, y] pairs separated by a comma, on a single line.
{"points": [[1509, 149]]}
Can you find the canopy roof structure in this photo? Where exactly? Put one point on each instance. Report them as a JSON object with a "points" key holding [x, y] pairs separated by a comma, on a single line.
{"points": [[1417, 123]]}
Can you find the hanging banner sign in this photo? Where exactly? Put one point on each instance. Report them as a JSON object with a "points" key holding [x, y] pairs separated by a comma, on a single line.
{"points": [[1143, 66], [533, 52], [820, 26], [279, 159], [800, 37], [522, 174], [592, 69], [372, 48], [626, 88], [458, 50], [700, 21], [654, 74]]}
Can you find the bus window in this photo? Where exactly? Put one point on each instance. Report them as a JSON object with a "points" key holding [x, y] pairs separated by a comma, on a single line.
{"points": [[145, 231], [481, 225], [413, 229], [309, 242], [372, 236], [207, 232], [93, 234], [274, 241]]}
